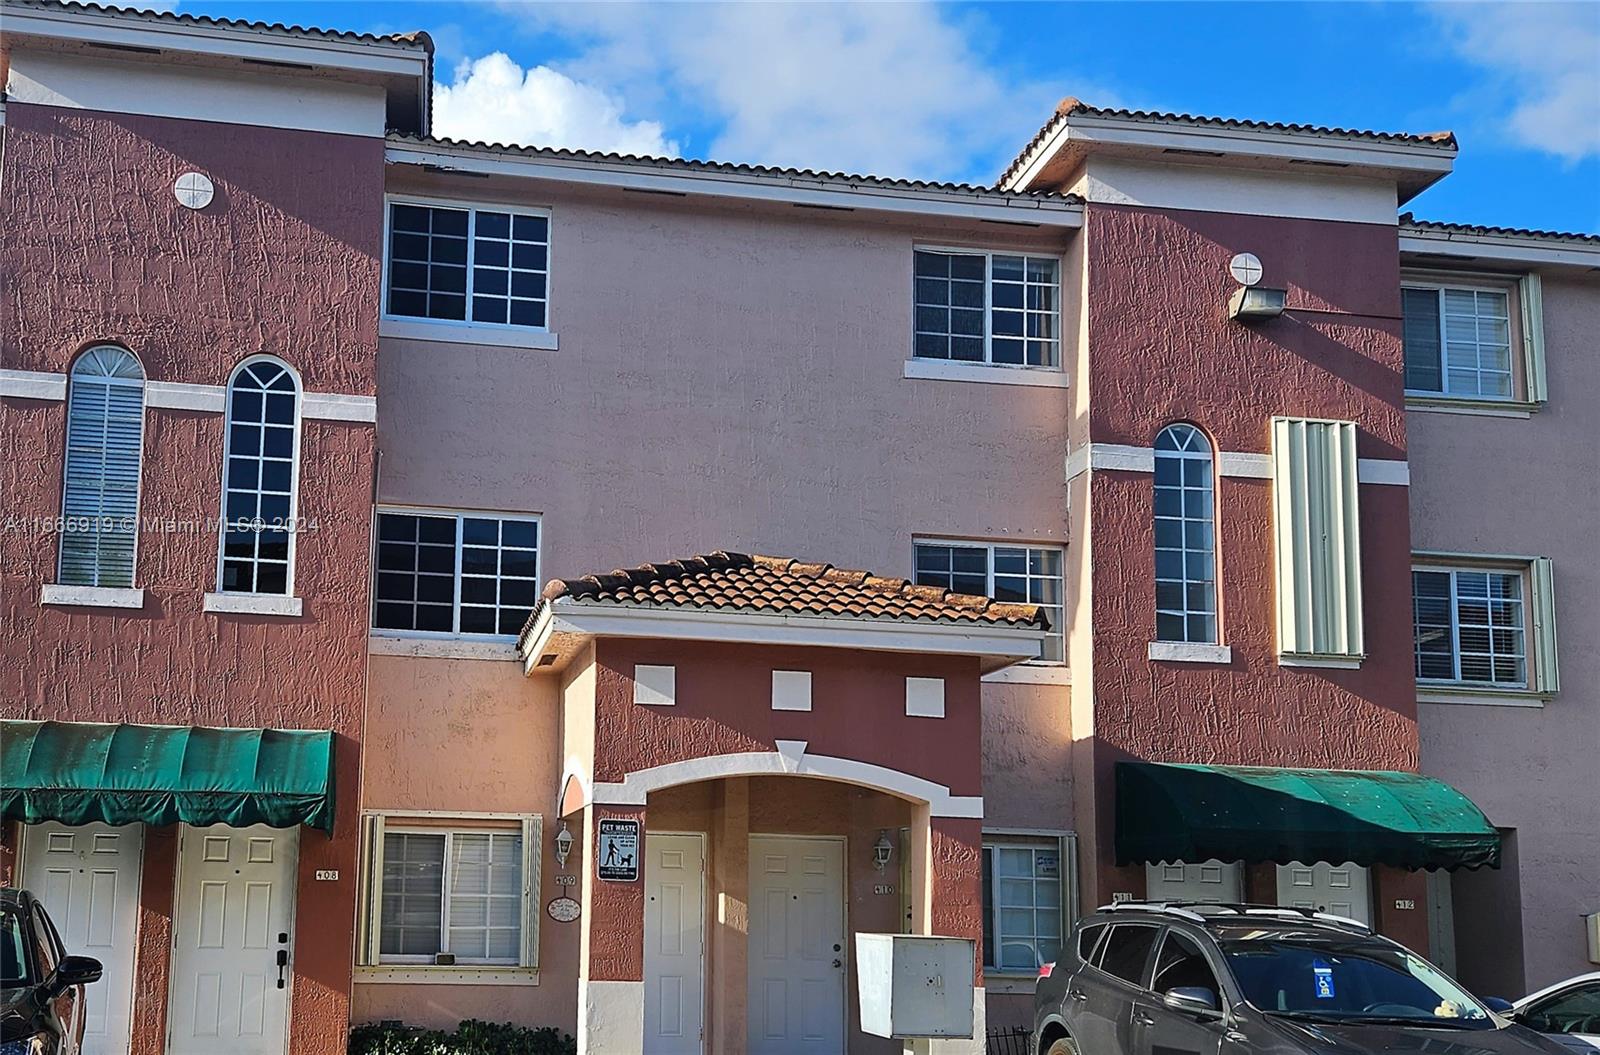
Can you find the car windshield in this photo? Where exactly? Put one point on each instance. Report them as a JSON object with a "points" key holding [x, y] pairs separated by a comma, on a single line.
{"points": [[13, 951], [1330, 978]]}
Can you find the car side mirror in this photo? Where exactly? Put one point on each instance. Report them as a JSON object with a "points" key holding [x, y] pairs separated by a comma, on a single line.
{"points": [[74, 970], [1499, 1005], [1192, 998]]}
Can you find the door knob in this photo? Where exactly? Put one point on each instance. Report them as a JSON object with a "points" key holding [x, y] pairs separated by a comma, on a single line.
{"points": [[838, 963], [283, 963]]}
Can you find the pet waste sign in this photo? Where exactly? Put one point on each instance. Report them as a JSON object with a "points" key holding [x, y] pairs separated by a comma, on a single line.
{"points": [[617, 856]]}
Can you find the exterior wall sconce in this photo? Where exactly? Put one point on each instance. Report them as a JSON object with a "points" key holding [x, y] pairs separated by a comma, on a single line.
{"points": [[563, 845], [882, 850], [1251, 302]]}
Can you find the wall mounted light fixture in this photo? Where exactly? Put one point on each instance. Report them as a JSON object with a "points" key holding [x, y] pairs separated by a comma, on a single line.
{"points": [[882, 850], [1251, 302], [563, 845]]}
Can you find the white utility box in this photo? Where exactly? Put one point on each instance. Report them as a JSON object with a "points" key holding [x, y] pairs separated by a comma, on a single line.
{"points": [[915, 985], [1591, 928]]}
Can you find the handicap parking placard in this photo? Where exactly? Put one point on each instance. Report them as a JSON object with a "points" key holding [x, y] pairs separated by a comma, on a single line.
{"points": [[617, 854]]}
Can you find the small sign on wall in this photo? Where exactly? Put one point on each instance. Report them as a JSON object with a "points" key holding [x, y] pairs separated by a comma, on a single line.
{"points": [[566, 880], [1404, 903], [327, 875], [883, 888], [617, 852], [563, 909]]}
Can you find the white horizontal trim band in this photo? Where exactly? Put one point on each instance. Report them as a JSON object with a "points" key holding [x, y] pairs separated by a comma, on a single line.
{"points": [[1189, 652], [440, 648], [329, 406], [33, 384], [445, 332], [984, 373], [176, 395], [1383, 471], [252, 604], [1030, 674], [1233, 464], [91, 596]]}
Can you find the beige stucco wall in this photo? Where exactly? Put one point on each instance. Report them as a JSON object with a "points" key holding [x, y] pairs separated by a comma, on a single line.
{"points": [[1530, 487]]}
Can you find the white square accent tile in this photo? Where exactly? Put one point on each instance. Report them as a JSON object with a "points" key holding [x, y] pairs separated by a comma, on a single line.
{"points": [[655, 686], [791, 690], [925, 697]]}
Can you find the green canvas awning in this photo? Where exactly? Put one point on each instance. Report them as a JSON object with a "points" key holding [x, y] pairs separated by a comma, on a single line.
{"points": [[76, 772], [1168, 812]]}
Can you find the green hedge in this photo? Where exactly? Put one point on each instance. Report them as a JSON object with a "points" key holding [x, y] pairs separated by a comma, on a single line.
{"points": [[470, 1038]]}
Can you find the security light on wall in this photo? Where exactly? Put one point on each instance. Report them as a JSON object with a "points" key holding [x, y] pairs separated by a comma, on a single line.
{"points": [[563, 845], [1252, 301]]}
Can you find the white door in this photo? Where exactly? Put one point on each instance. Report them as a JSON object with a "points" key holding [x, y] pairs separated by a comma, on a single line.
{"points": [[235, 913], [88, 880], [1344, 889], [1216, 882], [674, 943], [796, 954]]}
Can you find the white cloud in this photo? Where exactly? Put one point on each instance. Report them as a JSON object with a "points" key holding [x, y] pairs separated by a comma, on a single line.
{"points": [[493, 100], [1545, 60], [891, 89]]}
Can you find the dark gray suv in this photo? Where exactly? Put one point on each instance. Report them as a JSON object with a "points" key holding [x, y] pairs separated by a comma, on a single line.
{"points": [[1204, 979]]}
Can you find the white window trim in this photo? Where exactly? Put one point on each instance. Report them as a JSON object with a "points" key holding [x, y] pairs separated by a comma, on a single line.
{"points": [[92, 596], [446, 636], [253, 604], [138, 499], [936, 540], [1016, 980], [1541, 677], [988, 363], [294, 492], [1424, 396], [373, 965], [465, 331]]}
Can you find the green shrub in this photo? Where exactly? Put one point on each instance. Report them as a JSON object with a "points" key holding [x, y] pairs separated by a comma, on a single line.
{"points": [[470, 1038]]}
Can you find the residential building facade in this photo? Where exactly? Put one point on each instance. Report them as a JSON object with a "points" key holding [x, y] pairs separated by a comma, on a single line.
{"points": [[1134, 541]]}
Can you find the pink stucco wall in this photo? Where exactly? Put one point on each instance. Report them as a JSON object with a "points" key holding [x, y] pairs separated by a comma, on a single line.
{"points": [[284, 261], [1528, 487]]}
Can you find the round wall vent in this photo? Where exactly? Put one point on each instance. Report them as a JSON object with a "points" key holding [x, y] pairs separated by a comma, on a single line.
{"points": [[193, 190], [1245, 269]]}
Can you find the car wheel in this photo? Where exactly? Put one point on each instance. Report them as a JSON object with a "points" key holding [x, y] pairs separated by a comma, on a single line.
{"points": [[1064, 1046]]}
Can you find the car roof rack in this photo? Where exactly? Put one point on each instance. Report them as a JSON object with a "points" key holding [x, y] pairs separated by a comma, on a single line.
{"points": [[1202, 911]]}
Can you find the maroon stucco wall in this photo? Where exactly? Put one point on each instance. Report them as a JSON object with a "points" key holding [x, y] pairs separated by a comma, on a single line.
{"points": [[1161, 350], [283, 261]]}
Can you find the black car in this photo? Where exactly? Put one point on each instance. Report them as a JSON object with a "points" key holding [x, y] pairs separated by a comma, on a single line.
{"points": [[1205, 979], [41, 987]]}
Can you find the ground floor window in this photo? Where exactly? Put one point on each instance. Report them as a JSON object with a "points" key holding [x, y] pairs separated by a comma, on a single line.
{"points": [[450, 895], [1027, 900]]}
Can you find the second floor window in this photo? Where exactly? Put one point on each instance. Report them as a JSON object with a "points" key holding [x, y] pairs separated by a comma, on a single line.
{"points": [[1470, 626], [100, 495], [998, 308], [1186, 567], [454, 573], [1022, 574], [468, 265], [258, 479], [1458, 341]]}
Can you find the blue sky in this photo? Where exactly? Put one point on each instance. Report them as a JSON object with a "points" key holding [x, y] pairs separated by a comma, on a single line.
{"points": [[951, 91]]}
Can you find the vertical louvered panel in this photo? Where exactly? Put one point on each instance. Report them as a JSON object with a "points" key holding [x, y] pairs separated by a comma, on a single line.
{"points": [[100, 493], [1546, 669], [1317, 524], [1530, 293]]}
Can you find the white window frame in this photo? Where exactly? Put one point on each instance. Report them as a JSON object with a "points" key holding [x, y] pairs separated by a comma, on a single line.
{"points": [[1515, 355], [1056, 631], [988, 303], [472, 208], [294, 475], [1183, 457], [66, 466], [1539, 648], [1066, 845], [370, 958], [454, 634]]}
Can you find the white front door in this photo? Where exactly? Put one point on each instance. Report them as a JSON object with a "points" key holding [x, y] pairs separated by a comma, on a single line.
{"points": [[674, 943], [796, 954], [87, 877], [1343, 889], [235, 914], [1216, 882]]}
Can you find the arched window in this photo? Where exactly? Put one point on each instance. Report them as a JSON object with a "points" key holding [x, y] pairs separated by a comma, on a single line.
{"points": [[258, 482], [1186, 562], [100, 495]]}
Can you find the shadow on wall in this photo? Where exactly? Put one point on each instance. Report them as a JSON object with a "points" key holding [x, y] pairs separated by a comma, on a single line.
{"points": [[1488, 925]]}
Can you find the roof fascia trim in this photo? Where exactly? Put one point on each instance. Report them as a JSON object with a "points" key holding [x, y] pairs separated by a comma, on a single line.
{"points": [[1512, 249]]}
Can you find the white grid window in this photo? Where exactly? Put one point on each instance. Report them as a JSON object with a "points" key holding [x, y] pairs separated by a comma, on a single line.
{"points": [[489, 266], [1458, 341], [996, 308], [1024, 574], [454, 573], [1186, 575], [100, 493], [1022, 905], [1470, 626], [453, 892], [259, 479]]}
